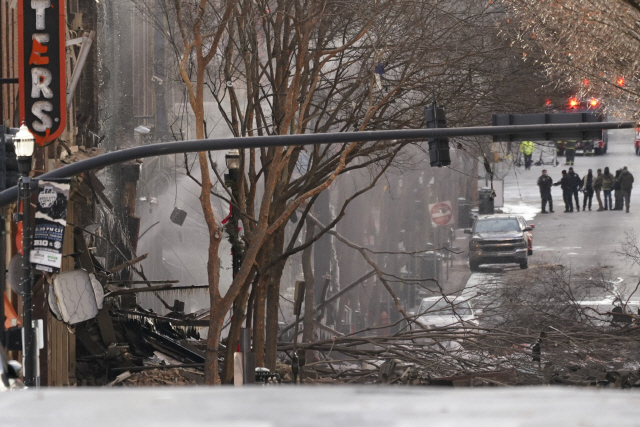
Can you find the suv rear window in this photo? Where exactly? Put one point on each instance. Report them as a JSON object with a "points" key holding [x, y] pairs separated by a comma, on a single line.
{"points": [[497, 224]]}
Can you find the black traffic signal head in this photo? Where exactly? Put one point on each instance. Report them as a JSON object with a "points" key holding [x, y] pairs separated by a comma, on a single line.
{"points": [[435, 116], [438, 147], [439, 152]]}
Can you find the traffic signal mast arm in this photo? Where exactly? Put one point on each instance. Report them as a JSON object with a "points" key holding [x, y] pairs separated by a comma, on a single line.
{"points": [[224, 144]]}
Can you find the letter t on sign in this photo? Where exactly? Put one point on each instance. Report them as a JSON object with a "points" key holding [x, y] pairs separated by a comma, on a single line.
{"points": [[40, 6]]}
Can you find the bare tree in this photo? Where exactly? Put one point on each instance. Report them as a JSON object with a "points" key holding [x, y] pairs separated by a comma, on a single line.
{"points": [[201, 26], [290, 67], [589, 45]]}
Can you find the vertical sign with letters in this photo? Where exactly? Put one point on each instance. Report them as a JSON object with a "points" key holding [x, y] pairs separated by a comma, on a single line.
{"points": [[41, 49]]}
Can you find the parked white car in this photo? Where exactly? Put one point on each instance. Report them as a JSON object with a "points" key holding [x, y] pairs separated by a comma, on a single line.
{"points": [[444, 311]]}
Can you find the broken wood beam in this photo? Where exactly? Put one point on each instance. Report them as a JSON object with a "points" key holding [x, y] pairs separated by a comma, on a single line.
{"points": [[328, 329], [177, 322], [150, 367], [154, 289], [128, 263], [98, 188], [107, 331], [138, 290], [140, 282]]}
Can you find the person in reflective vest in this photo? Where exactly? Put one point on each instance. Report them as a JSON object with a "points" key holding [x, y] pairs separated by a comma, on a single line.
{"points": [[570, 151], [527, 147]]}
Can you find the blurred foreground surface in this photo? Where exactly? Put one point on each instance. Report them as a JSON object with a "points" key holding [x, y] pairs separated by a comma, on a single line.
{"points": [[320, 406]]}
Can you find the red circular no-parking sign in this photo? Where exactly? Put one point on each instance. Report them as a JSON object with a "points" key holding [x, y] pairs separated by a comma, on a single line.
{"points": [[441, 213]]}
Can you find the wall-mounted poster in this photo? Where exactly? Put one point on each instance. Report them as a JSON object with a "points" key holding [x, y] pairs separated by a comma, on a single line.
{"points": [[50, 222]]}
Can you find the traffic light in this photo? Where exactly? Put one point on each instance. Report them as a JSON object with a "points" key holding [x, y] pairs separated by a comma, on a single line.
{"points": [[438, 147]]}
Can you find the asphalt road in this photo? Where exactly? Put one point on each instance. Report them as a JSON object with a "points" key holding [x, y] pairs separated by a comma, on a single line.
{"points": [[586, 242]]}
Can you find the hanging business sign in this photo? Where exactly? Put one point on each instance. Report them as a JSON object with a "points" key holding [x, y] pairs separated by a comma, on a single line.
{"points": [[42, 77], [50, 222]]}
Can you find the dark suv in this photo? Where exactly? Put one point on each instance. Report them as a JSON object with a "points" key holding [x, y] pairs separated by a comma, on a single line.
{"points": [[498, 239]]}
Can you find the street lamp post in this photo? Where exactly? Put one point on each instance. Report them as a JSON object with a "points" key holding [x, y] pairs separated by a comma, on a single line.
{"points": [[24, 143], [232, 159]]}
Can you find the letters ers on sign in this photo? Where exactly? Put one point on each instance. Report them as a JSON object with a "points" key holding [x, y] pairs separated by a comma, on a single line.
{"points": [[41, 48]]}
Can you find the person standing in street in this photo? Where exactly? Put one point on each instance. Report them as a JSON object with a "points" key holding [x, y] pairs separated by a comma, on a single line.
{"points": [[626, 185], [597, 188], [587, 188], [545, 182], [570, 151], [576, 183], [617, 193], [607, 185], [567, 193], [527, 148]]}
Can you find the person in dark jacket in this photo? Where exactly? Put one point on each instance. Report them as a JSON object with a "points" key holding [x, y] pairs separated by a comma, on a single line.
{"points": [[567, 191], [587, 187], [626, 185], [607, 185], [545, 183], [576, 185], [617, 193], [597, 187]]}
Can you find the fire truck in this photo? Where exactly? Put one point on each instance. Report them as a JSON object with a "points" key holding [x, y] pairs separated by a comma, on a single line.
{"points": [[589, 106]]}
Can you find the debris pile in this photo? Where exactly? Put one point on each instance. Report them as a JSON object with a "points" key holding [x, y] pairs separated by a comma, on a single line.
{"points": [[163, 377], [548, 328]]}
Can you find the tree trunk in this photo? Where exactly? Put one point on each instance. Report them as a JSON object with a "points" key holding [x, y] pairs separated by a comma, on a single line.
{"points": [[307, 268], [213, 344], [216, 315], [259, 319], [233, 339], [273, 302]]}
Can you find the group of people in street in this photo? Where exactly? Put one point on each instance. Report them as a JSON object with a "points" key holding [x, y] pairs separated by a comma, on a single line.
{"points": [[568, 147], [571, 184]]}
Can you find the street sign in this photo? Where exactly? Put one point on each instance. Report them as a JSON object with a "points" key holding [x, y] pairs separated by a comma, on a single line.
{"points": [[41, 65], [441, 213]]}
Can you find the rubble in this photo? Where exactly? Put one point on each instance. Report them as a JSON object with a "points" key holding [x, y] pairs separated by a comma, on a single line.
{"points": [[162, 377]]}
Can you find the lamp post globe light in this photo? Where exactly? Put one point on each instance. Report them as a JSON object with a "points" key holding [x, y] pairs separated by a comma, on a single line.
{"points": [[232, 159], [24, 142]]}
